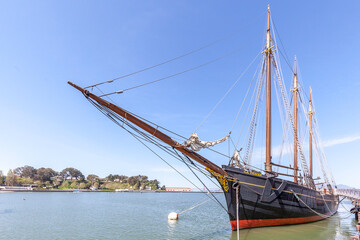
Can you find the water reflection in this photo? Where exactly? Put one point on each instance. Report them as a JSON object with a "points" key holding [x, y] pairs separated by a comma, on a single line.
{"points": [[172, 224], [340, 226], [171, 228], [142, 216]]}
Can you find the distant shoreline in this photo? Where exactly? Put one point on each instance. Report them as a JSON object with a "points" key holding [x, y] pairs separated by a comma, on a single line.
{"points": [[102, 191]]}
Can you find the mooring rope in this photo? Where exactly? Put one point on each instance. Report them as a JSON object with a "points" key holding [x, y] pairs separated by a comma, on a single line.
{"points": [[345, 207], [320, 214], [194, 206], [326, 204]]}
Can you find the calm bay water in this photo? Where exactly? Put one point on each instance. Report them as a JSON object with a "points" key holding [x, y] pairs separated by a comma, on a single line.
{"points": [[141, 216]]}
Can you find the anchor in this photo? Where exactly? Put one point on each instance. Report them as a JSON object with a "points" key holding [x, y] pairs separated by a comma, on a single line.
{"points": [[269, 194]]}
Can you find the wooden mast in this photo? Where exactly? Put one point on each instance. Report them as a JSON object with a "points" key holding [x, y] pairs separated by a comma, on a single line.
{"points": [[310, 136], [153, 131], [268, 167], [295, 90]]}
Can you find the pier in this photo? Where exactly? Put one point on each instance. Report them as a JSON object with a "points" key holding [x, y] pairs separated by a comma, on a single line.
{"points": [[353, 195]]}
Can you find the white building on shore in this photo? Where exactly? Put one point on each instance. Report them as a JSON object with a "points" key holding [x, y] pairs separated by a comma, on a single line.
{"points": [[177, 189], [15, 188]]}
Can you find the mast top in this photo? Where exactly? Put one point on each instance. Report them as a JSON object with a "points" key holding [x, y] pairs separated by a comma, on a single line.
{"points": [[310, 103], [268, 34], [295, 76]]}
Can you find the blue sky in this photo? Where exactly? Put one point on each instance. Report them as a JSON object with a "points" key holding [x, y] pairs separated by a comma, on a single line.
{"points": [[44, 44]]}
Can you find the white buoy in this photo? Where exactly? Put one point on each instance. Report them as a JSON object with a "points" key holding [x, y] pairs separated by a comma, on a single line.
{"points": [[173, 216]]}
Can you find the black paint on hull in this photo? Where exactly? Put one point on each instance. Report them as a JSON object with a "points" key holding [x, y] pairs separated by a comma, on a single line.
{"points": [[270, 201]]}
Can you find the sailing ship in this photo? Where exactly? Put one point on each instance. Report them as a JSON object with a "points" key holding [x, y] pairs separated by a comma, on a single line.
{"points": [[254, 197]]}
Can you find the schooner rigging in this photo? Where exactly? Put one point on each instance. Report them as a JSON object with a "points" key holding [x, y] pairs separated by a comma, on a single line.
{"points": [[266, 198]]}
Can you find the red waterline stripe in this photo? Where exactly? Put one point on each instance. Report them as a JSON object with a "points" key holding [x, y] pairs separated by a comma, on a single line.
{"points": [[274, 222]]}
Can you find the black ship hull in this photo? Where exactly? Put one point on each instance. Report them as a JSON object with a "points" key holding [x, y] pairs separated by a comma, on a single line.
{"points": [[267, 201]]}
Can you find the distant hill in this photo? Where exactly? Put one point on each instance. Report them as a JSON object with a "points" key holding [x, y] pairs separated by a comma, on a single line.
{"points": [[342, 186]]}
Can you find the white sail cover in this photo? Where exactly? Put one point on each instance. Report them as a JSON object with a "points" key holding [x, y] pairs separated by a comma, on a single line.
{"points": [[196, 144]]}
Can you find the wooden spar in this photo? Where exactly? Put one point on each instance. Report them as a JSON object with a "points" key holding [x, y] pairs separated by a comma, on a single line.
{"points": [[153, 131], [288, 175], [310, 136], [268, 167], [295, 90], [282, 166]]}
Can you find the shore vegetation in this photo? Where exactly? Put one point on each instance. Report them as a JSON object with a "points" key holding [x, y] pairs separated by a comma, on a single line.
{"points": [[73, 179]]}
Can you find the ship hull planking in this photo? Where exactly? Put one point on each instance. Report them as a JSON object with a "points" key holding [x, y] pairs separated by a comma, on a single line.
{"points": [[267, 201]]}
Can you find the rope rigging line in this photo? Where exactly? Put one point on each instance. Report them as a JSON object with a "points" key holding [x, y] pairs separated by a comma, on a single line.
{"points": [[238, 113], [320, 160], [112, 116], [202, 181], [279, 75], [158, 126], [179, 73], [178, 57], [321, 147], [285, 122], [103, 94], [286, 59], [103, 110], [145, 120], [258, 84], [227, 92], [320, 152], [309, 182], [247, 164], [257, 117], [300, 79], [252, 126], [149, 138], [286, 56], [209, 176], [306, 118], [152, 123]]}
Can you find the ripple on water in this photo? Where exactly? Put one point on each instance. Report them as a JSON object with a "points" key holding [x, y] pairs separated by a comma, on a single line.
{"points": [[141, 216]]}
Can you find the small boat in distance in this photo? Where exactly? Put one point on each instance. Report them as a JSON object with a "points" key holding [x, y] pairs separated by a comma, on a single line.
{"points": [[254, 197]]}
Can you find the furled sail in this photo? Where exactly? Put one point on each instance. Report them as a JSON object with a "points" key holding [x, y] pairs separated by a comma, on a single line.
{"points": [[196, 144]]}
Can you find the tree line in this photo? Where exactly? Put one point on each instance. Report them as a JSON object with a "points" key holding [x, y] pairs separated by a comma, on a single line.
{"points": [[72, 178]]}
